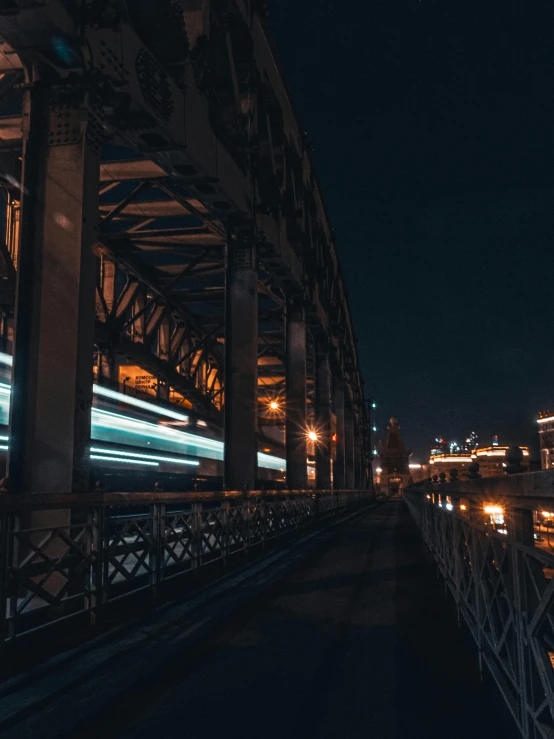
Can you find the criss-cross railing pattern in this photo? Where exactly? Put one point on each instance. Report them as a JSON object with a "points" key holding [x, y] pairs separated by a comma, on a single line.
{"points": [[94, 554], [504, 590]]}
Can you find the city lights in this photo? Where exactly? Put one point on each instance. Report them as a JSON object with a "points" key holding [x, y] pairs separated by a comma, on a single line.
{"points": [[463, 507], [312, 436], [273, 405], [494, 510]]}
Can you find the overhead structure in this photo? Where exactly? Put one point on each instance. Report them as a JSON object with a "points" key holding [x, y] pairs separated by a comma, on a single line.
{"points": [[165, 229]]}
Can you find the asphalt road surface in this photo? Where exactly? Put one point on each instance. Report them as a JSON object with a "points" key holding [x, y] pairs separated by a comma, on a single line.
{"points": [[359, 641]]}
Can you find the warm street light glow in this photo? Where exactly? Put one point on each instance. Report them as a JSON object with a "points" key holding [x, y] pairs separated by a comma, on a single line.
{"points": [[273, 405], [463, 507], [312, 436], [546, 514], [493, 510]]}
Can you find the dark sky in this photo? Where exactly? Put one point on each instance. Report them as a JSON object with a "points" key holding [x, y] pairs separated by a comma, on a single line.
{"points": [[433, 126]]}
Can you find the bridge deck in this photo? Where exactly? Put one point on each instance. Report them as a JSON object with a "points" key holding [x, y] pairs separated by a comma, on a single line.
{"points": [[359, 641]]}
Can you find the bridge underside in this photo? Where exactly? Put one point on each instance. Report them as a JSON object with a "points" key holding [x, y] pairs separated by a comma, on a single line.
{"points": [[164, 228]]}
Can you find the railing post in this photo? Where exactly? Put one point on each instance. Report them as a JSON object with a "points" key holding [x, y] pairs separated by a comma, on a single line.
{"points": [[225, 522], [475, 552], [520, 522], [197, 530], [5, 536], [262, 506], [156, 560], [92, 552], [246, 524]]}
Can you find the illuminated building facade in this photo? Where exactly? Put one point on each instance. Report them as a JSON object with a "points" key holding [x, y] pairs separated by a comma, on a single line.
{"points": [[472, 442], [446, 462], [546, 436], [439, 447], [492, 460]]}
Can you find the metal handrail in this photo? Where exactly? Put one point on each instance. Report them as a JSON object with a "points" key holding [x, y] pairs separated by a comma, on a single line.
{"points": [[503, 587], [43, 501], [63, 556]]}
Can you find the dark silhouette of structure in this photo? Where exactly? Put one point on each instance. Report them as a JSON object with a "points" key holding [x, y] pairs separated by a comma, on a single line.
{"points": [[394, 459]]}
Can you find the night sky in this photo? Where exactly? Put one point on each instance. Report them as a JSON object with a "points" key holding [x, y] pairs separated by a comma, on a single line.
{"points": [[433, 126]]}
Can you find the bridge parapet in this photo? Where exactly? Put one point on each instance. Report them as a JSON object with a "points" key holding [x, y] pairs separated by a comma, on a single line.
{"points": [[486, 538], [112, 546]]}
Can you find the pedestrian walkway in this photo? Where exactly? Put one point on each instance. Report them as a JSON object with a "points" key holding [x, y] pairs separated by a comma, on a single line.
{"points": [[359, 641]]}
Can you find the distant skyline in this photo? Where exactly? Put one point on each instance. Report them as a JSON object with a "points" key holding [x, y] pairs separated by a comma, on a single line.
{"points": [[422, 456], [433, 126]]}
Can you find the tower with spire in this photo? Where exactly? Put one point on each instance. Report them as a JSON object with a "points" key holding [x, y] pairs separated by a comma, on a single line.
{"points": [[394, 459]]}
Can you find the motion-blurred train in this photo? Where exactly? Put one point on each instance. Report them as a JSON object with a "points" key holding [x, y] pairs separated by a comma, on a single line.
{"points": [[136, 444]]}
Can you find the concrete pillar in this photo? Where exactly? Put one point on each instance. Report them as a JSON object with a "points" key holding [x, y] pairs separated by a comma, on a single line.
{"points": [[348, 444], [338, 408], [241, 363], [323, 419], [296, 447], [357, 461], [55, 301]]}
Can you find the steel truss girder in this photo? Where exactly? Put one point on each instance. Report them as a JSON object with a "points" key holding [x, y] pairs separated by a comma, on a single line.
{"points": [[297, 248]]}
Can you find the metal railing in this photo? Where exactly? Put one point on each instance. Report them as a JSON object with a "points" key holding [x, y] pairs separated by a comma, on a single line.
{"points": [[502, 583], [67, 555]]}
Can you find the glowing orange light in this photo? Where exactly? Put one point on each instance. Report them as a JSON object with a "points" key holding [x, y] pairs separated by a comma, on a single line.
{"points": [[334, 437], [493, 510], [463, 507], [273, 405], [267, 449], [312, 436]]}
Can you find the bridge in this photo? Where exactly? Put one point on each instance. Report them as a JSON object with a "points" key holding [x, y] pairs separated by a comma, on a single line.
{"points": [[165, 230], [189, 532]]}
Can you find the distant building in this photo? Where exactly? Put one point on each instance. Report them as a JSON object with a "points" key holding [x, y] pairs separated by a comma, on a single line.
{"points": [[446, 462], [546, 436], [472, 442], [495, 440], [439, 447], [394, 461], [492, 460]]}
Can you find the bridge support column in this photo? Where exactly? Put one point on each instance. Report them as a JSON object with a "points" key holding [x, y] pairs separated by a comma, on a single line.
{"points": [[296, 448], [338, 408], [52, 373], [323, 419], [348, 444], [241, 363], [357, 461]]}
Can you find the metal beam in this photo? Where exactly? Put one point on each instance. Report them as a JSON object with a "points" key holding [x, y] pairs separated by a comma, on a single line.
{"points": [[323, 419], [241, 363], [296, 450]]}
